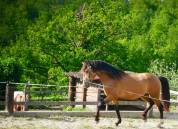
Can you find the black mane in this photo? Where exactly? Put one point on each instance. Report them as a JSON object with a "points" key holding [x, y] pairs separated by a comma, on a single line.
{"points": [[110, 70]]}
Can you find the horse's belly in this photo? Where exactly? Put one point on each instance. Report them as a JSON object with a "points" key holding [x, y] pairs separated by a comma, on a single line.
{"points": [[129, 97], [131, 94]]}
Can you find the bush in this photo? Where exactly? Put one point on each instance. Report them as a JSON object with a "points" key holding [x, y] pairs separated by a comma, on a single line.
{"points": [[162, 68]]}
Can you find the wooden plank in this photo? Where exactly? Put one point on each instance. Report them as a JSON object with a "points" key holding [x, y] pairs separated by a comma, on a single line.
{"points": [[52, 103], [110, 114], [135, 114], [47, 92], [167, 115], [79, 103], [174, 102], [55, 103]]}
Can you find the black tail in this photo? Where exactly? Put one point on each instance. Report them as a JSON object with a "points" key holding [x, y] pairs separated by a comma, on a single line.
{"points": [[165, 92]]}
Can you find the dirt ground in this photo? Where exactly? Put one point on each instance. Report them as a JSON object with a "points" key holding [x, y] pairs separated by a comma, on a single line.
{"points": [[82, 123]]}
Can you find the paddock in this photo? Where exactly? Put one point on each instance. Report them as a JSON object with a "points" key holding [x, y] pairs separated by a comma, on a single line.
{"points": [[82, 123], [47, 118]]}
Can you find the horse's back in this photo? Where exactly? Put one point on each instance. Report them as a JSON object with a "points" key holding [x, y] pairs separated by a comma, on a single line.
{"points": [[145, 78], [134, 85], [149, 81]]}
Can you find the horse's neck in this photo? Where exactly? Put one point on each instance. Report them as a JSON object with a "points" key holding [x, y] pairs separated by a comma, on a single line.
{"points": [[105, 79]]}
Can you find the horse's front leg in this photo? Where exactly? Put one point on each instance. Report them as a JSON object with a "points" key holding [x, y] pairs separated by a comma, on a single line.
{"points": [[100, 104], [115, 102], [118, 114]]}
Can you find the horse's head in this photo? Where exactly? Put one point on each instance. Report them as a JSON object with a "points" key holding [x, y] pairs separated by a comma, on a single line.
{"points": [[91, 69], [88, 72]]}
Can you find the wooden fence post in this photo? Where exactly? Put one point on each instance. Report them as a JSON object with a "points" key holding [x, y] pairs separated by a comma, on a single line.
{"points": [[9, 98], [72, 89], [26, 95], [84, 96]]}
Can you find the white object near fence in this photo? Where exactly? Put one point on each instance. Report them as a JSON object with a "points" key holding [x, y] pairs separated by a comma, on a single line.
{"points": [[19, 96]]}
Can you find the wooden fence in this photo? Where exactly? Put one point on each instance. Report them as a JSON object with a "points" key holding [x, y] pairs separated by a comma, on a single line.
{"points": [[9, 99]]}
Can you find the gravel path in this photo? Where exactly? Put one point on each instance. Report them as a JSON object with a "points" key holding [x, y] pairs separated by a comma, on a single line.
{"points": [[81, 123]]}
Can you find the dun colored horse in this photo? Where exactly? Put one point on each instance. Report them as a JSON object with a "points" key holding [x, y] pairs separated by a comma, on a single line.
{"points": [[119, 85]]}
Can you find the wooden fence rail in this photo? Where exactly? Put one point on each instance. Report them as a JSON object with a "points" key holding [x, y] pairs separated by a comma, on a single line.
{"points": [[58, 103], [9, 100]]}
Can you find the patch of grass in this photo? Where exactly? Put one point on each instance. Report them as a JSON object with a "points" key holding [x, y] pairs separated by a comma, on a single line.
{"points": [[69, 108], [173, 108], [38, 107]]}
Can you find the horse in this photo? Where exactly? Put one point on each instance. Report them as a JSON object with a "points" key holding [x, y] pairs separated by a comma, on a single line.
{"points": [[19, 96], [119, 85]]}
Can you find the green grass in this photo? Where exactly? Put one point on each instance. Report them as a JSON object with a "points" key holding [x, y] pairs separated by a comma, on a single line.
{"points": [[69, 108]]}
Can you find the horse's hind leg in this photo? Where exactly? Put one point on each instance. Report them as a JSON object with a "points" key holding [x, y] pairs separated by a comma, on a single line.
{"points": [[158, 104], [160, 107], [118, 114], [97, 114], [151, 103]]}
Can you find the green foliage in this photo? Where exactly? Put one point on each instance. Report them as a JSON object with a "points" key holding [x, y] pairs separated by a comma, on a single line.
{"points": [[78, 108], [44, 39], [163, 68], [10, 70]]}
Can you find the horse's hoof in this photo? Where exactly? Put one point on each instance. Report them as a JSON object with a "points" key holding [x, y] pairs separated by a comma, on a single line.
{"points": [[145, 120], [144, 117], [160, 125], [97, 120], [117, 123]]}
